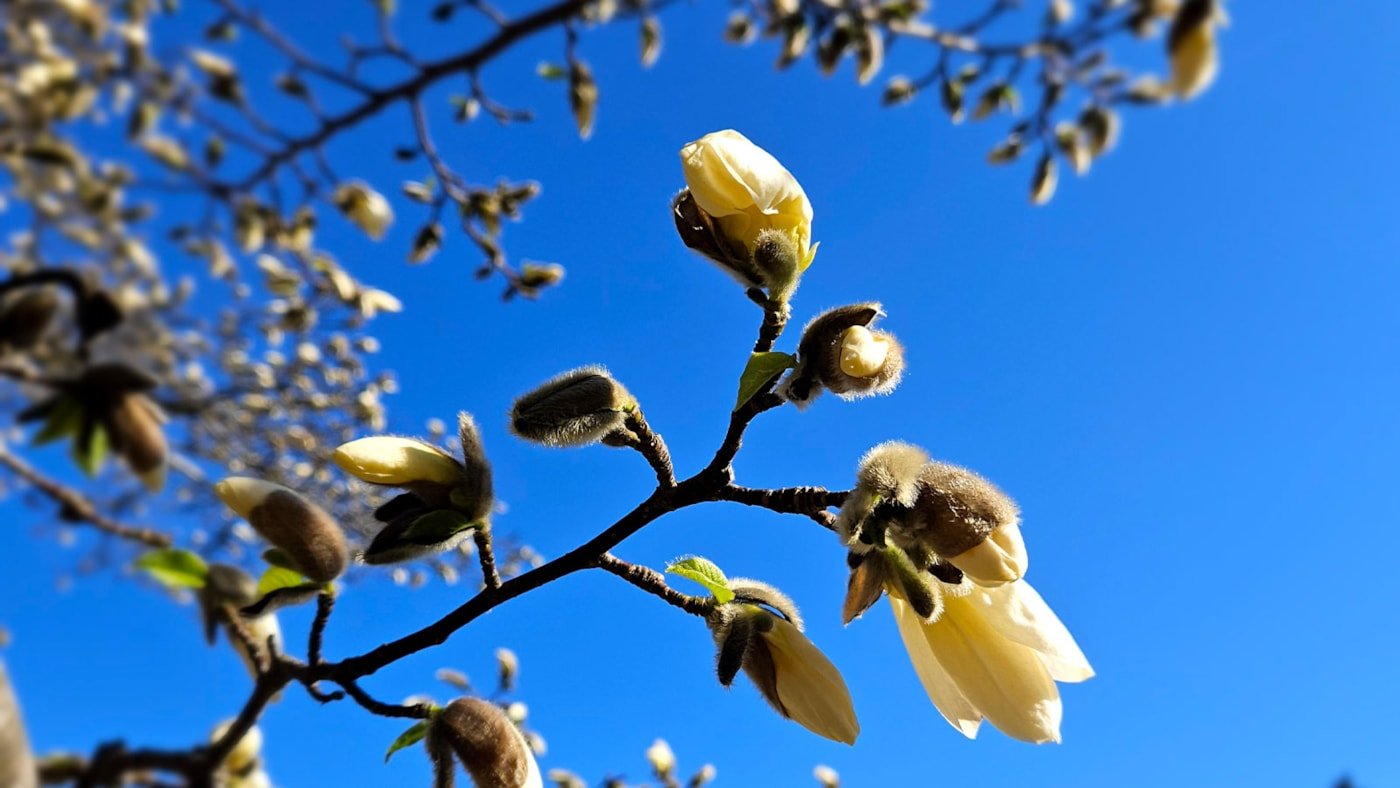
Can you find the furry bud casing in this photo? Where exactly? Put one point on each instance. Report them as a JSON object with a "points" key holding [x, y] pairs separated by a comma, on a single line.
{"points": [[305, 531], [576, 408]]}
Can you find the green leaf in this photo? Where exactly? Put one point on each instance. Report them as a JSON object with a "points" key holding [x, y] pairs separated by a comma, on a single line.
{"points": [[174, 568], [409, 737], [551, 70], [704, 572], [63, 421], [436, 527], [277, 577], [760, 370], [93, 453]]}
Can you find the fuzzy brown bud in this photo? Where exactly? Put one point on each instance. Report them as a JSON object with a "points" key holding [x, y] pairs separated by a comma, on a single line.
{"points": [[304, 531], [968, 522], [576, 408], [487, 743], [25, 319]]}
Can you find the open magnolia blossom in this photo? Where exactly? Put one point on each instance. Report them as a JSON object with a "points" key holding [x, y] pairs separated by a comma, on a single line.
{"points": [[993, 654], [746, 191]]}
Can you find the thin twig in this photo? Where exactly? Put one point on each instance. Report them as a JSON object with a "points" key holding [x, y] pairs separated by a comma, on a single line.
{"points": [[654, 583]]}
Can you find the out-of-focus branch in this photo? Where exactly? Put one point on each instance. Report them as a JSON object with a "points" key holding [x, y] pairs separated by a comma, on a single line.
{"points": [[74, 507]]}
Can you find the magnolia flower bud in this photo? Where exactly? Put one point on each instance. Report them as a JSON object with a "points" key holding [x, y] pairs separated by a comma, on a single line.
{"points": [[243, 758], [17, 767], [1101, 127], [968, 522], [488, 744], [391, 460], [840, 352], [309, 536], [134, 431], [26, 317], [826, 776], [804, 383], [796, 679], [661, 758], [1195, 59], [887, 473], [745, 191], [576, 408], [365, 207]]}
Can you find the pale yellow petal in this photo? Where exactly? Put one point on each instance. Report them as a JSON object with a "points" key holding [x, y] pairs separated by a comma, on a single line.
{"points": [[809, 686], [1019, 613], [387, 459], [1005, 680], [941, 689]]}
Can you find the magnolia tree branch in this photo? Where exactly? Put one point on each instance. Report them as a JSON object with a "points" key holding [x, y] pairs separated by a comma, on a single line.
{"points": [[76, 508], [654, 583]]}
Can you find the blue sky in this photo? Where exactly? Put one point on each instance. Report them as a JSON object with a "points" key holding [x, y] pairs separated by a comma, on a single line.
{"points": [[1184, 369]]}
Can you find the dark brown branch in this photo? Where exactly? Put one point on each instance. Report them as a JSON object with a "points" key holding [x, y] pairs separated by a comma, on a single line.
{"points": [[325, 603], [76, 507], [653, 448], [786, 500], [486, 556], [654, 583]]}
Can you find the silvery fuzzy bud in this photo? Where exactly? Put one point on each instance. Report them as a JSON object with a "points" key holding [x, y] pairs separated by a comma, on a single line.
{"points": [[304, 531], [820, 336], [25, 319], [576, 408], [488, 744], [968, 522], [888, 473]]}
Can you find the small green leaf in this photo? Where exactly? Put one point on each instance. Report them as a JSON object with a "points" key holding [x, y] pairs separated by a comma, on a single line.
{"points": [[91, 454], [760, 370], [174, 568], [551, 70], [409, 737], [63, 421], [436, 527], [276, 556], [704, 572], [278, 577]]}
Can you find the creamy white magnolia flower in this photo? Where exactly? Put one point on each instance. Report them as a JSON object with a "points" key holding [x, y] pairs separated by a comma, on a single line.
{"points": [[809, 687], [863, 352], [388, 459], [367, 208], [1000, 558], [242, 494], [747, 191], [993, 654]]}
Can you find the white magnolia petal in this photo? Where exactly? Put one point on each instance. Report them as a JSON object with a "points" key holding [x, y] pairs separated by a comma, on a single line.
{"points": [[1018, 612], [1005, 680], [941, 689], [809, 686]]}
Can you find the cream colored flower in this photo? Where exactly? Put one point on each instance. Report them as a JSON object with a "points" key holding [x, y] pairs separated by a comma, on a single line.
{"points": [[1000, 558], [387, 459], [365, 207], [661, 758], [747, 191], [994, 654], [806, 686], [863, 352]]}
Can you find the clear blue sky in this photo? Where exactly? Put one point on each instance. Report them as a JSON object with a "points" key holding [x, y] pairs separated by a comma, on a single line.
{"points": [[1185, 369]]}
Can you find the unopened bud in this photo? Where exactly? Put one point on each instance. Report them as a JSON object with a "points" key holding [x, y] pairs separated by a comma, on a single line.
{"points": [[819, 338], [576, 408], [970, 523], [309, 536], [133, 425], [887, 473], [1191, 46], [25, 319], [488, 744], [661, 758], [862, 363], [395, 461], [365, 207]]}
